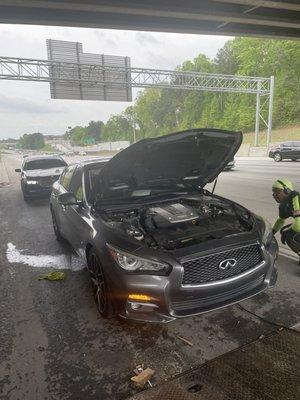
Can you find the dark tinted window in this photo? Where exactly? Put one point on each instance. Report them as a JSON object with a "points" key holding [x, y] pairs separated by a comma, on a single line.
{"points": [[76, 184], [287, 144], [44, 164], [66, 176], [92, 181]]}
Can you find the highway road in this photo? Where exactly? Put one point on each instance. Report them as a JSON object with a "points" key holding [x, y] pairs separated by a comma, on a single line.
{"points": [[53, 343]]}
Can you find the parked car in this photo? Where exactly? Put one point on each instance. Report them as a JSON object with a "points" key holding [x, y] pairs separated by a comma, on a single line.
{"points": [[158, 245], [230, 165], [38, 173], [285, 151], [82, 153]]}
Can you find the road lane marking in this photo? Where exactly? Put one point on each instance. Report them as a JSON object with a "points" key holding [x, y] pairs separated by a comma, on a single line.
{"points": [[61, 261], [296, 327]]}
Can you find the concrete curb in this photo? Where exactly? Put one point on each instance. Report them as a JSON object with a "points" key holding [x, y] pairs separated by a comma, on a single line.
{"points": [[4, 179]]}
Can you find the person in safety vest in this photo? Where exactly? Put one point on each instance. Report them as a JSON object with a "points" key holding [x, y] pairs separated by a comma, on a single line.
{"points": [[289, 206]]}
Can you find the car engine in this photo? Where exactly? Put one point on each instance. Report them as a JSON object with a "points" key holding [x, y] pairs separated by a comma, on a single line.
{"points": [[171, 225]]}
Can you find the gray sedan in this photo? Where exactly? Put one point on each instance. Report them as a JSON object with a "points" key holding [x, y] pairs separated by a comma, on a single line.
{"points": [[158, 245]]}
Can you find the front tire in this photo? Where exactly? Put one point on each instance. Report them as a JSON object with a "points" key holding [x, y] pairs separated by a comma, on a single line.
{"points": [[25, 197], [277, 157], [100, 288]]}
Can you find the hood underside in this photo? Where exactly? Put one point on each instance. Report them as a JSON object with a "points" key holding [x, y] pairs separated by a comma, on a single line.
{"points": [[34, 173], [196, 156]]}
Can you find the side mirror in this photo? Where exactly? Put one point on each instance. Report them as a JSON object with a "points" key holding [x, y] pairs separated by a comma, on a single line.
{"points": [[18, 170], [67, 199]]}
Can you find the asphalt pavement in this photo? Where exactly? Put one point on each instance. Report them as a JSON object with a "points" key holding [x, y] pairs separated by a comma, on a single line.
{"points": [[53, 343]]}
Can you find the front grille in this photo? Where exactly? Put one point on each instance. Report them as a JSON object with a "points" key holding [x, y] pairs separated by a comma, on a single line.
{"points": [[47, 181], [222, 297], [206, 269]]}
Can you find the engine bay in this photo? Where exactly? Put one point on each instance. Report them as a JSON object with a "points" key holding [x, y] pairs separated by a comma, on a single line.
{"points": [[175, 224]]}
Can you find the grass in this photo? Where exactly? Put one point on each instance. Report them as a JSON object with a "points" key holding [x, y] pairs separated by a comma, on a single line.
{"points": [[49, 148], [278, 135]]}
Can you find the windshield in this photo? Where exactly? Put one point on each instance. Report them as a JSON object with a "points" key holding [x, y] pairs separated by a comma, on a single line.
{"points": [[44, 164]]}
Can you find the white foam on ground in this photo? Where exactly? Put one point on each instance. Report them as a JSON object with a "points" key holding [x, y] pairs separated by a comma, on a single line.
{"points": [[43, 261]]}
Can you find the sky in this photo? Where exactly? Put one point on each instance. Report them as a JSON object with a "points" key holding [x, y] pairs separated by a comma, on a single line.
{"points": [[26, 107]]}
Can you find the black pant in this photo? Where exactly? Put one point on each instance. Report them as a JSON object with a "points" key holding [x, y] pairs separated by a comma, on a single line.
{"points": [[293, 240]]}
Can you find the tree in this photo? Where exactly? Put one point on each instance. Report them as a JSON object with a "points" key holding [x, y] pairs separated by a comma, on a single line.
{"points": [[225, 60], [33, 141], [95, 130], [118, 127]]}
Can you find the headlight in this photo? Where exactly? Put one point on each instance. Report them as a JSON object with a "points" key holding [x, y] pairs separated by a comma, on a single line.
{"points": [[132, 263], [267, 234], [31, 182]]}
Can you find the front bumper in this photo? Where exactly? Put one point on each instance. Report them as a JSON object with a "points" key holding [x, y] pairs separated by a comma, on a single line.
{"points": [[36, 189], [170, 300]]}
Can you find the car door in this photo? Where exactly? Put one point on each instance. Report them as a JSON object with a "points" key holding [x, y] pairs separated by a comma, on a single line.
{"points": [[59, 187], [287, 150], [77, 216], [296, 150]]}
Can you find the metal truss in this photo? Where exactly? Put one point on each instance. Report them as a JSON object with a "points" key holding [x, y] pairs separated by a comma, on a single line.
{"points": [[90, 75]]}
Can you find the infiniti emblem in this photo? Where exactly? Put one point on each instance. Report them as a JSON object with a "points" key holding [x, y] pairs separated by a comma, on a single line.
{"points": [[227, 264]]}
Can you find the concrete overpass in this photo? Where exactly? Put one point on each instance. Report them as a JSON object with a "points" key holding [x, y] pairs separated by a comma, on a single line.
{"points": [[263, 18]]}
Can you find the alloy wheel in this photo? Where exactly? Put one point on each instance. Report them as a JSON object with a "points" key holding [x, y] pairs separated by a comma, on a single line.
{"points": [[277, 157], [98, 283]]}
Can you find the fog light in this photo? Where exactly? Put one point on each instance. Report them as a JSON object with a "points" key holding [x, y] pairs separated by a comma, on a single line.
{"points": [[142, 297], [135, 306]]}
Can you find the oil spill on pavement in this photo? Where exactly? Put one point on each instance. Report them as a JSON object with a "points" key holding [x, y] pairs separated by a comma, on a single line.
{"points": [[62, 261]]}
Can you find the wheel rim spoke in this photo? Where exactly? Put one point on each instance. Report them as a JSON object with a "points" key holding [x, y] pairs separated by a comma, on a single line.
{"points": [[97, 280]]}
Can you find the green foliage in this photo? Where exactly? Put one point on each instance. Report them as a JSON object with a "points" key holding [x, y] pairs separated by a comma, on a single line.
{"points": [[48, 148], [32, 141], [76, 135], [94, 130], [82, 136], [161, 111], [118, 127]]}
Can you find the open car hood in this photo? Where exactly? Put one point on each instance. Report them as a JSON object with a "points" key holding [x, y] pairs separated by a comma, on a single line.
{"points": [[195, 155]]}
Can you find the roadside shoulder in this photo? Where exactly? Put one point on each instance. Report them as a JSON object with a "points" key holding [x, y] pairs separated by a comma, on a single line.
{"points": [[4, 179]]}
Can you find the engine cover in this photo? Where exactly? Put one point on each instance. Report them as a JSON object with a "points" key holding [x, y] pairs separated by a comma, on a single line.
{"points": [[169, 214]]}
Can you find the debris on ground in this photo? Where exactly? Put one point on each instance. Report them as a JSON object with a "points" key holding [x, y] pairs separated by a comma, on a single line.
{"points": [[142, 376], [185, 340], [53, 276]]}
